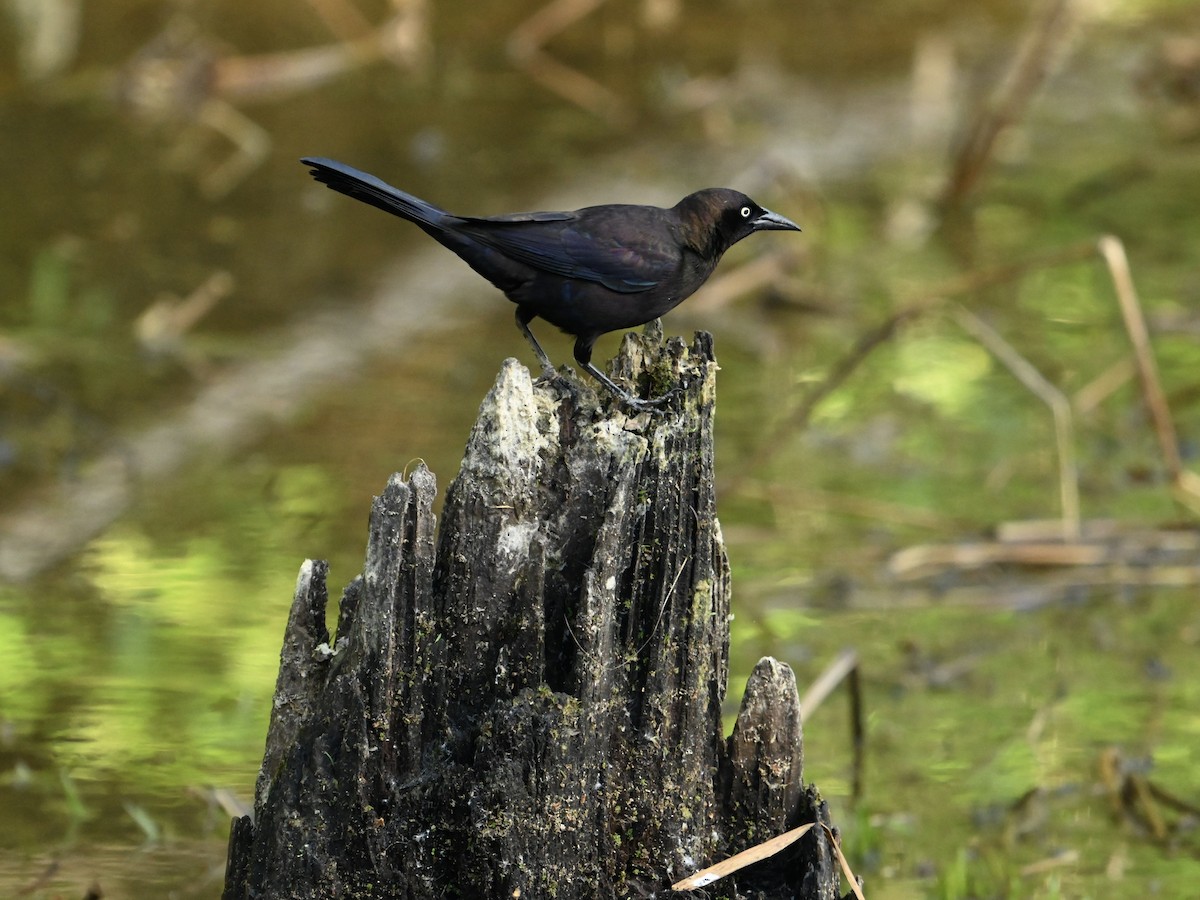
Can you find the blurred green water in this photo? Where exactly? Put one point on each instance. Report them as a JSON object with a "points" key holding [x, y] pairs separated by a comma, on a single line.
{"points": [[138, 674]]}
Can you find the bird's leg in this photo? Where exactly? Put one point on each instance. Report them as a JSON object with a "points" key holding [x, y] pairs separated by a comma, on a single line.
{"points": [[549, 373], [583, 356], [524, 316]]}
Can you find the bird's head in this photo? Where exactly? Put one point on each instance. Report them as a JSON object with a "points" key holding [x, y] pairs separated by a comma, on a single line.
{"points": [[715, 219]]}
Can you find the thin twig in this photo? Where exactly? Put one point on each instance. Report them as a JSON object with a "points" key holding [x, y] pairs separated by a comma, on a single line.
{"points": [[844, 668], [842, 370], [526, 49], [1100, 388], [1186, 484], [845, 663], [1056, 400], [925, 300], [850, 876], [921, 560], [1113, 251]]}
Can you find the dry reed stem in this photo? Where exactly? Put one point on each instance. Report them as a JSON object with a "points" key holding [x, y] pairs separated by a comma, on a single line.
{"points": [[834, 674], [846, 871], [526, 49], [1185, 484], [757, 853], [846, 667], [1056, 400]]}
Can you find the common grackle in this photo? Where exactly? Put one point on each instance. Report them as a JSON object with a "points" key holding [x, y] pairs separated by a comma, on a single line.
{"points": [[590, 271]]}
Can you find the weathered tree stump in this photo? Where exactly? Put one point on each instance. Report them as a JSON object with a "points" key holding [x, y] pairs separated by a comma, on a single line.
{"points": [[526, 702]]}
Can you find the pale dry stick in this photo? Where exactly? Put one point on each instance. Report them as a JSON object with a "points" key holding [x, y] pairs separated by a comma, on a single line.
{"points": [[161, 327], [1104, 385], [923, 560], [252, 146], [835, 672], [526, 49], [1113, 251], [406, 38], [276, 76], [846, 871], [574, 86], [1050, 863], [554, 17], [1186, 484], [757, 853], [1056, 400], [844, 668]]}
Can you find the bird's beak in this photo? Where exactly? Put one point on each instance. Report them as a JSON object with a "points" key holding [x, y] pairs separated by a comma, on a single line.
{"points": [[770, 221]]}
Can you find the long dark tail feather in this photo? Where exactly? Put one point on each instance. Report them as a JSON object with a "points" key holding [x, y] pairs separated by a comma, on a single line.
{"points": [[361, 186]]}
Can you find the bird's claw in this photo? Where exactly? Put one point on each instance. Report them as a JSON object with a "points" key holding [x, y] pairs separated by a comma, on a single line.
{"points": [[552, 376], [549, 376], [653, 405]]}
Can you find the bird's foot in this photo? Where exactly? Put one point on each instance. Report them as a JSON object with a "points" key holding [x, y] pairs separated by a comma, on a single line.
{"points": [[627, 398], [551, 375], [652, 405]]}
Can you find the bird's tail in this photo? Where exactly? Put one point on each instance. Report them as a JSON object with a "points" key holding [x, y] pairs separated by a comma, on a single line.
{"points": [[369, 189]]}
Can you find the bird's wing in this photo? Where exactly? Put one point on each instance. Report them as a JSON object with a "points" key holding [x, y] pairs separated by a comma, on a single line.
{"points": [[627, 260]]}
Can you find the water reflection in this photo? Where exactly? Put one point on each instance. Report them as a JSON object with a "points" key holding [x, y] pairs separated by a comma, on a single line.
{"points": [[137, 674]]}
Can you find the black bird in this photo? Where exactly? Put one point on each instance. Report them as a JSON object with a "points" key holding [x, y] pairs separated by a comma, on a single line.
{"points": [[590, 271]]}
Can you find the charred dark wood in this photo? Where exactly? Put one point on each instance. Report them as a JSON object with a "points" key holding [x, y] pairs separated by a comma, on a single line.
{"points": [[526, 701], [764, 793]]}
